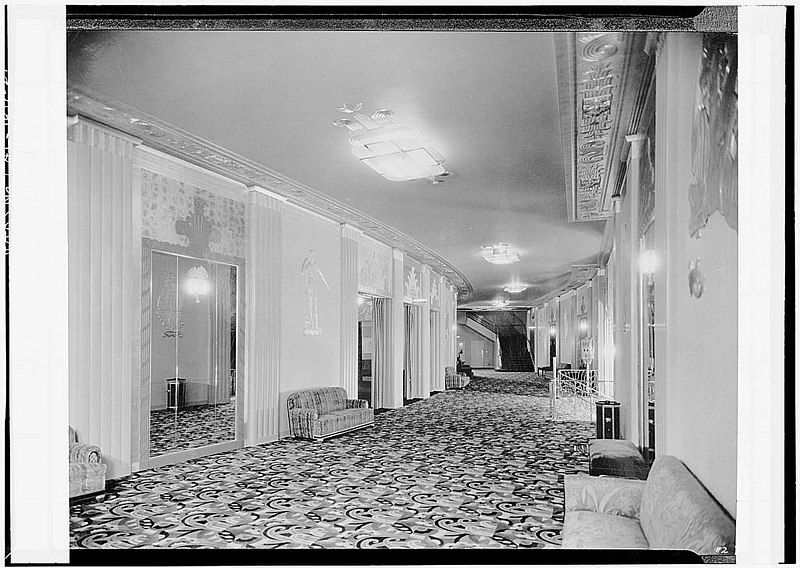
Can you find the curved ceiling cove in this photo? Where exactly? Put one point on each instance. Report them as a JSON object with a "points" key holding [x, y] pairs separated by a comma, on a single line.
{"points": [[477, 112], [165, 137]]}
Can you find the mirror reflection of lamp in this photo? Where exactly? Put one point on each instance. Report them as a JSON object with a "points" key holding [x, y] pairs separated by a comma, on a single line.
{"points": [[197, 282]]}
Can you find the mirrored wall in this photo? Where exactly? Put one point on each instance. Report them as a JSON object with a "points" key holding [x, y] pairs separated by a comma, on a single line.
{"points": [[193, 353]]}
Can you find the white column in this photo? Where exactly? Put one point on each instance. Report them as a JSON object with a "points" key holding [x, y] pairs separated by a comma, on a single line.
{"points": [[635, 434], [349, 320], [394, 395], [104, 288], [263, 315], [427, 346]]}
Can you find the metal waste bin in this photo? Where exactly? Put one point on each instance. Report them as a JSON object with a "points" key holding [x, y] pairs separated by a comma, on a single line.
{"points": [[176, 392], [607, 420]]}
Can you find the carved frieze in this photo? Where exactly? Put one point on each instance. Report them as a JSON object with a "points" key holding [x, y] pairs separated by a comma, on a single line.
{"points": [[374, 267], [598, 61]]}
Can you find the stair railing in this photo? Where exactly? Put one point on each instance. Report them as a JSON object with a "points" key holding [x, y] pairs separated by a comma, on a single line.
{"points": [[573, 393]]}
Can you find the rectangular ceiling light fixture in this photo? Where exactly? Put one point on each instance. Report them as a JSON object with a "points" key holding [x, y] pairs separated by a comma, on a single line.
{"points": [[499, 254], [396, 152]]}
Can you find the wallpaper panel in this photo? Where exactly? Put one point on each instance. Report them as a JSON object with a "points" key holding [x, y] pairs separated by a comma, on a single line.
{"points": [[166, 200]]}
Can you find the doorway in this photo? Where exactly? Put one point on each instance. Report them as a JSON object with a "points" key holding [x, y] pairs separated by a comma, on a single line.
{"points": [[366, 350]]}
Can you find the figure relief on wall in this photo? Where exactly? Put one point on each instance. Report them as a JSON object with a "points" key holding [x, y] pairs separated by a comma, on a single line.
{"points": [[434, 291], [373, 276], [313, 276], [715, 135]]}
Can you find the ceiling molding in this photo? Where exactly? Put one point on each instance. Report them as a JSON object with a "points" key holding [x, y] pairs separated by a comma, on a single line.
{"points": [[167, 138], [580, 274]]}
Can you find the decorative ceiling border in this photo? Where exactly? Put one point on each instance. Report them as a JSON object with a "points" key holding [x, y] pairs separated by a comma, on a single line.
{"points": [[580, 274], [163, 136]]}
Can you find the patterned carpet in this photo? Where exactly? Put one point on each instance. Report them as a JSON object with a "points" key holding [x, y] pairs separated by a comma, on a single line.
{"points": [[191, 427], [509, 382], [464, 469]]}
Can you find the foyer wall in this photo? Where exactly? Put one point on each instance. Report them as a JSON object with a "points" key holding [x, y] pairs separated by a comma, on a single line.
{"points": [[310, 352]]}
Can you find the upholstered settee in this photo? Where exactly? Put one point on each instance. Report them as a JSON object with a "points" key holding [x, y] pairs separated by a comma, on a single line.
{"points": [[670, 510], [453, 380], [87, 472], [320, 413]]}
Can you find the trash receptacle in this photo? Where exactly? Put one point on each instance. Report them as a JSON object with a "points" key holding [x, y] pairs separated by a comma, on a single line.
{"points": [[607, 419], [176, 392]]}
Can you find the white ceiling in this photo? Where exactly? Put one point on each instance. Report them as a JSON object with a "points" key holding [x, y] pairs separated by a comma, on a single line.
{"points": [[487, 101]]}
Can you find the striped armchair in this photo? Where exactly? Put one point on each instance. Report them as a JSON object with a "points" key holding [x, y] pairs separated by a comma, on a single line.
{"points": [[453, 380], [87, 472], [320, 413]]}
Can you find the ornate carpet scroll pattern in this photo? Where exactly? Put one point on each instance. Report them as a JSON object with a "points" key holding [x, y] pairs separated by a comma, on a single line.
{"points": [[463, 469]]}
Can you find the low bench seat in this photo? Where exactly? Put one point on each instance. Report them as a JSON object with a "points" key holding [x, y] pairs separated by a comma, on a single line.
{"points": [[320, 413], [618, 458]]}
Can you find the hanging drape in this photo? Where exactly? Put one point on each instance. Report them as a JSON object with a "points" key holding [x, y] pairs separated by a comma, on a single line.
{"points": [[414, 352], [381, 355]]}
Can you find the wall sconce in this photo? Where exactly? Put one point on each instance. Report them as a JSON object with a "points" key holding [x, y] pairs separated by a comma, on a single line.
{"points": [[197, 282], [552, 330], [583, 325], [647, 263]]}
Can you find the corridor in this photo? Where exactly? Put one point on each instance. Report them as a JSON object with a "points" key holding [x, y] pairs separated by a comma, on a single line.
{"points": [[481, 468]]}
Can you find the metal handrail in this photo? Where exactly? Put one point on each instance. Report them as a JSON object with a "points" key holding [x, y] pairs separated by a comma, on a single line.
{"points": [[573, 393]]}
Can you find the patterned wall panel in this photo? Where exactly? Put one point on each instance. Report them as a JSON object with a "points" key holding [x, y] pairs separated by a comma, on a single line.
{"points": [[166, 201], [374, 267]]}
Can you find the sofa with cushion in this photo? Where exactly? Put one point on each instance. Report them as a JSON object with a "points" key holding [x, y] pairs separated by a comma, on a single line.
{"points": [[453, 380], [670, 510], [87, 472], [320, 413]]}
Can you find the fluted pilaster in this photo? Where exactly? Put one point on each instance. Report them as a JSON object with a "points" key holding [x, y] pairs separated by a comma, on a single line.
{"points": [[104, 282], [349, 321], [427, 345], [394, 394], [263, 317]]}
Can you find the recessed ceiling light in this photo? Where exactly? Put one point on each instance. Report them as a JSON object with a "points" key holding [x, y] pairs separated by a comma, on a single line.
{"points": [[398, 153], [499, 254], [515, 287]]}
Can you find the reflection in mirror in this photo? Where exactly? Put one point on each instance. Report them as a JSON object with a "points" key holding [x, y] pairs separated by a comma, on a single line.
{"points": [[193, 353]]}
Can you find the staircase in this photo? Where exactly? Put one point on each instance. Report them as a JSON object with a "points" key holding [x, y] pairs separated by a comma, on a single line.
{"points": [[511, 331]]}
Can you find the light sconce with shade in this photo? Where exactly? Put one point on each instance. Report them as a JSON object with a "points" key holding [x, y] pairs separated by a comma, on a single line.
{"points": [[197, 282], [583, 325], [398, 153], [515, 288], [499, 254], [552, 330]]}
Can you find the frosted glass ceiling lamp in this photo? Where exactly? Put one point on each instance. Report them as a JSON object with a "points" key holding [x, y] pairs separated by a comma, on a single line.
{"points": [[398, 153], [515, 288], [499, 254]]}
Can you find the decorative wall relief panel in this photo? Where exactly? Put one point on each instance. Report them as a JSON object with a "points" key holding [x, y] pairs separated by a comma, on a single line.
{"points": [[314, 281], [182, 214], [436, 283], [374, 267], [584, 304], [715, 135], [412, 279]]}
